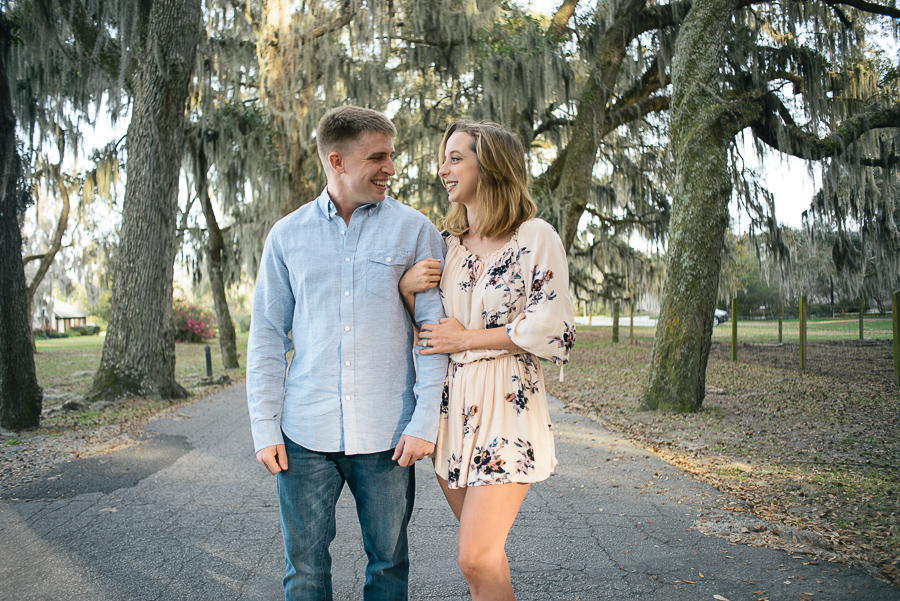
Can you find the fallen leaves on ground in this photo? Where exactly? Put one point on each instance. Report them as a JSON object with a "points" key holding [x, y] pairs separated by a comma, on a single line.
{"points": [[815, 452]]}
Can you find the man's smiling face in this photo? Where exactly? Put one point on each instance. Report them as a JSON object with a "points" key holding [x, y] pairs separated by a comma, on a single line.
{"points": [[366, 166]]}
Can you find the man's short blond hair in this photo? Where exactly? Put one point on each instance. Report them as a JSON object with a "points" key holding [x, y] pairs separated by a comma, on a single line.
{"points": [[345, 124]]}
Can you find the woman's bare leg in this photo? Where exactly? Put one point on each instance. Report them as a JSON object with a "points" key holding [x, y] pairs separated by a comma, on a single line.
{"points": [[486, 514], [455, 496]]}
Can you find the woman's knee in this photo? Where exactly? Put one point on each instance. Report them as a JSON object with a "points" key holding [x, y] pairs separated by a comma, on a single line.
{"points": [[477, 563]]}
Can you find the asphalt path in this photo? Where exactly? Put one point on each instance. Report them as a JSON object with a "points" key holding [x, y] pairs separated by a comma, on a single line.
{"points": [[190, 515]]}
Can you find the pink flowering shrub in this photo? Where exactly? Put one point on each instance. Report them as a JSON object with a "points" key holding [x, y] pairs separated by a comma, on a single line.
{"points": [[192, 323]]}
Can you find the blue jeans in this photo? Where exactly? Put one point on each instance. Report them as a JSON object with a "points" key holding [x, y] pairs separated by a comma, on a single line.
{"points": [[308, 493]]}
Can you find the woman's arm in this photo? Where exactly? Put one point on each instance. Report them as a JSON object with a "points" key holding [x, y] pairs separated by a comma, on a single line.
{"points": [[424, 275], [450, 336]]}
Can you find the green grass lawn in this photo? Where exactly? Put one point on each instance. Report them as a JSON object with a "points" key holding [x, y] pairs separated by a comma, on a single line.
{"points": [[67, 365], [817, 330]]}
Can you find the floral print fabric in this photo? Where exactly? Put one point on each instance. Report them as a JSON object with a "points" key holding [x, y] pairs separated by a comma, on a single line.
{"points": [[495, 423]]}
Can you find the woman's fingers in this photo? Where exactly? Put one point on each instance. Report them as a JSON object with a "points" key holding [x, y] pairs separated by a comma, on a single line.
{"points": [[424, 275]]}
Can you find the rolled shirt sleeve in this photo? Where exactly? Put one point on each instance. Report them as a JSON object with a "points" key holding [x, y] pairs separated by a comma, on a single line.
{"points": [[431, 370]]}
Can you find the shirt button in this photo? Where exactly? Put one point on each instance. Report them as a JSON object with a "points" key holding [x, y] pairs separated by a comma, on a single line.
{"points": [[347, 398], [346, 293], [347, 259], [347, 363], [346, 328], [388, 259]]}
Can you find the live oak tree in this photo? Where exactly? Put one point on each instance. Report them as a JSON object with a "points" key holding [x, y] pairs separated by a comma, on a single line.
{"points": [[732, 67], [20, 395], [76, 52], [139, 351], [552, 81]]}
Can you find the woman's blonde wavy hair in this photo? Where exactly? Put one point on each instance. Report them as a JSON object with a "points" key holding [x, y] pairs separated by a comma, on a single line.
{"points": [[501, 191]]}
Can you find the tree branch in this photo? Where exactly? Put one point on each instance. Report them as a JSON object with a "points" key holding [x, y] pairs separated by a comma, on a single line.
{"points": [[29, 258], [869, 7], [669, 15], [335, 25], [87, 36], [804, 145], [634, 111], [559, 26]]}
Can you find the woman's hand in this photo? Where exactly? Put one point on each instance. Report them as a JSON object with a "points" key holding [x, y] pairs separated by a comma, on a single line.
{"points": [[424, 275], [449, 336]]}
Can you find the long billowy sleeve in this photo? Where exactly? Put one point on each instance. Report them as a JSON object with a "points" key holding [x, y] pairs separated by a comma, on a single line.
{"points": [[547, 325]]}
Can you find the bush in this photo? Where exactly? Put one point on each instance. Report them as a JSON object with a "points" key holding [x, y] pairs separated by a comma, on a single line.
{"points": [[76, 330], [192, 323]]}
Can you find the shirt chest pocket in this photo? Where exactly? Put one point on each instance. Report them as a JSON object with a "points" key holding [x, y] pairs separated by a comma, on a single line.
{"points": [[384, 268]]}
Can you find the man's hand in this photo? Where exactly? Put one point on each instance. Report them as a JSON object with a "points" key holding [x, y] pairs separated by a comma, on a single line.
{"points": [[410, 449], [274, 458]]}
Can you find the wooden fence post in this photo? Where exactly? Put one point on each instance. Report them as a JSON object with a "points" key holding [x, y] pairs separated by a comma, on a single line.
{"points": [[802, 331], [734, 320], [631, 325], [895, 314], [862, 309], [780, 321], [615, 332]]}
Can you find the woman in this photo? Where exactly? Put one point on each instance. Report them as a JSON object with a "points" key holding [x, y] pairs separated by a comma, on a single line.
{"points": [[505, 292]]}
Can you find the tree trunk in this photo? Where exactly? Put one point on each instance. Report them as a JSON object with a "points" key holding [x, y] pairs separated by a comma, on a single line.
{"points": [[47, 258], [700, 139], [289, 101], [20, 395], [581, 153], [139, 352], [214, 245]]}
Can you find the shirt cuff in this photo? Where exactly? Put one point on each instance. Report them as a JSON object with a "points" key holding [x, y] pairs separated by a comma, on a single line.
{"points": [[423, 426], [266, 433]]}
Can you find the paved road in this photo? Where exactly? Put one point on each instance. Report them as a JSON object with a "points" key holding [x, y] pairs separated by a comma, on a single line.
{"points": [[189, 515]]}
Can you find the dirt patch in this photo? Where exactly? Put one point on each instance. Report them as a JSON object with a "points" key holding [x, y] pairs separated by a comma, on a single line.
{"points": [[870, 360], [814, 452]]}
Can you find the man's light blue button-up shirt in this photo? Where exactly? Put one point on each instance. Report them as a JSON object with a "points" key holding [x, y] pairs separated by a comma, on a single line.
{"points": [[354, 383]]}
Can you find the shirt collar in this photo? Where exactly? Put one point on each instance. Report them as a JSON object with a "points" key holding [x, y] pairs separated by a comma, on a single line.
{"points": [[326, 205]]}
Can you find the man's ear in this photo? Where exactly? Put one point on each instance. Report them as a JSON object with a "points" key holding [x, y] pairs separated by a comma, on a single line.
{"points": [[336, 161]]}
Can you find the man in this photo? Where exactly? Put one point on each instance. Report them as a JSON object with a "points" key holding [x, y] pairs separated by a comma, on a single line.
{"points": [[352, 407]]}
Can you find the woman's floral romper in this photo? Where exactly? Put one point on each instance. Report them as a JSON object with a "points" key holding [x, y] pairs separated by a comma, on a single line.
{"points": [[495, 423]]}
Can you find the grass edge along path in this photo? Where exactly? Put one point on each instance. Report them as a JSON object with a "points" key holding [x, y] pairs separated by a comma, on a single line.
{"points": [[815, 456]]}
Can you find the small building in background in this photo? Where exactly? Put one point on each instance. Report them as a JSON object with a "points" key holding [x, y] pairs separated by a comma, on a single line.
{"points": [[60, 317]]}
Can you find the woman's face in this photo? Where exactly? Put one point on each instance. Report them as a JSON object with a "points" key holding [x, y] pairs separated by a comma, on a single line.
{"points": [[459, 171]]}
